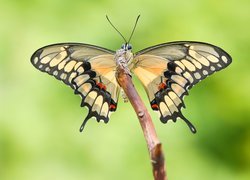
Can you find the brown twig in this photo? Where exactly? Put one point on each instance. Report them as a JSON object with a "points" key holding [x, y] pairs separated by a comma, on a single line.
{"points": [[153, 143]]}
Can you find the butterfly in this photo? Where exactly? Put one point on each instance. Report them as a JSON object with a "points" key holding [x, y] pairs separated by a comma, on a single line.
{"points": [[167, 72]]}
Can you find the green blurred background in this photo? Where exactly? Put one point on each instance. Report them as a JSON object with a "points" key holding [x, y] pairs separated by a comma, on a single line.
{"points": [[40, 116]]}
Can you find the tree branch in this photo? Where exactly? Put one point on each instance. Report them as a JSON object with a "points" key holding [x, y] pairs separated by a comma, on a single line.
{"points": [[153, 143]]}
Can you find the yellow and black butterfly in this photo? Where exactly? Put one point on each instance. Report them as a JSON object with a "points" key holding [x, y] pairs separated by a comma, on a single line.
{"points": [[167, 71]]}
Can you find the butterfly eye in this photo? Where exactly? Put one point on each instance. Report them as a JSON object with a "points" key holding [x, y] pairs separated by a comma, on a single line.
{"points": [[123, 46], [129, 47]]}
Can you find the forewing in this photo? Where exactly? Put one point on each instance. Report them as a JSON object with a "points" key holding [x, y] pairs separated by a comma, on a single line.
{"points": [[88, 69], [168, 70]]}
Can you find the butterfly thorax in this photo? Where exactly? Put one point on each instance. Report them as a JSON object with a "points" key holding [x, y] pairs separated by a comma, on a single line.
{"points": [[123, 58]]}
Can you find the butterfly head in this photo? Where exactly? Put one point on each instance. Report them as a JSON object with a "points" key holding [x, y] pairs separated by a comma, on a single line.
{"points": [[126, 47]]}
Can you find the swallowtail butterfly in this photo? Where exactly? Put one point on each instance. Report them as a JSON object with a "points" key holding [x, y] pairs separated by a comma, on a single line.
{"points": [[167, 71]]}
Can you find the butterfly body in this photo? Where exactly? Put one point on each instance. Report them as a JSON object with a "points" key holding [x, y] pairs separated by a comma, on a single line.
{"points": [[167, 71], [124, 58]]}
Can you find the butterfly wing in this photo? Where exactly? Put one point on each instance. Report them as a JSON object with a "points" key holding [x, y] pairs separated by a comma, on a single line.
{"points": [[88, 69], [167, 71]]}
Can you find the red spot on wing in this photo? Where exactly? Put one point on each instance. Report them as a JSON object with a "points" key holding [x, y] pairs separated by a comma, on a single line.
{"points": [[112, 107], [155, 106], [162, 86], [101, 86]]}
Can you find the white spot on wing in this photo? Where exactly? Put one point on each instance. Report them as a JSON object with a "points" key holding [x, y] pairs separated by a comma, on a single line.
{"points": [[170, 104], [180, 65], [97, 104], [77, 65], [62, 64], [45, 60], [224, 59], [81, 79], [178, 70], [47, 69], [164, 109], [69, 66], [35, 60], [188, 65], [55, 73], [177, 89], [205, 72], [175, 98], [58, 58], [196, 63], [179, 79], [72, 75], [188, 76], [219, 65], [212, 58], [80, 70], [105, 110], [85, 88], [212, 68], [63, 76], [197, 75], [90, 98]]}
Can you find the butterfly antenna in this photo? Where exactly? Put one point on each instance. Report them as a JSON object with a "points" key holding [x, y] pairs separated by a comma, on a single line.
{"points": [[134, 28], [116, 29]]}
